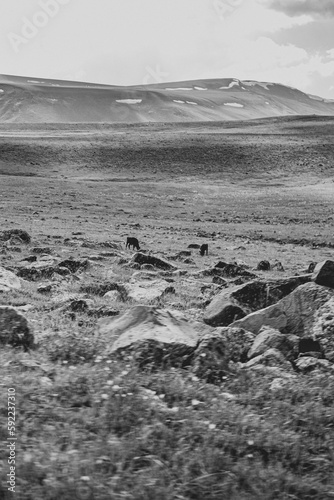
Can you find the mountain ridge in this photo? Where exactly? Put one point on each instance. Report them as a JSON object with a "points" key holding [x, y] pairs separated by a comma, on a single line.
{"points": [[40, 100]]}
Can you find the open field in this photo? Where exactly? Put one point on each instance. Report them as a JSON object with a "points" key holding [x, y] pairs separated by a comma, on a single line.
{"points": [[270, 177], [86, 427]]}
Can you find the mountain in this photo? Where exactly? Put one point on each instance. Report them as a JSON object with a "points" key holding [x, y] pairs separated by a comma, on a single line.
{"points": [[38, 100]]}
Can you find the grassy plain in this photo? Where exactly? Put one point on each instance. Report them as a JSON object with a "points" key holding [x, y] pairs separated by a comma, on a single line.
{"points": [[92, 428]]}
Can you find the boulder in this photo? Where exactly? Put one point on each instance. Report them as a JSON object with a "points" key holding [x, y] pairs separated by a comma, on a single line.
{"points": [[147, 290], [250, 297], [144, 275], [100, 289], [113, 296], [147, 267], [180, 255], [141, 258], [226, 314], [8, 280], [23, 235], [151, 335], [272, 357], [268, 338], [217, 348], [14, 329], [323, 328], [13, 242], [102, 312], [293, 314], [41, 270], [39, 250], [233, 270], [45, 288], [308, 364], [75, 265], [323, 273], [278, 266], [30, 258]]}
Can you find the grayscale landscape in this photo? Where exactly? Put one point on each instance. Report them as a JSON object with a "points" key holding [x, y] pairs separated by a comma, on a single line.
{"points": [[158, 372]]}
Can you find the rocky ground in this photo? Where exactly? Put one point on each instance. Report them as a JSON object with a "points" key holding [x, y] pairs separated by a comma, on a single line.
{"points": [[161, 373]]}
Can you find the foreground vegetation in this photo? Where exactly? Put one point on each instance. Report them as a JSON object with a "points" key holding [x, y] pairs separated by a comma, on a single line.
{"points": [[93, 427], [103, 430]]}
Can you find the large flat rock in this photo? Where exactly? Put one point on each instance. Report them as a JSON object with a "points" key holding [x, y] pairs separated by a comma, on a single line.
{"points": [[293, 314]]}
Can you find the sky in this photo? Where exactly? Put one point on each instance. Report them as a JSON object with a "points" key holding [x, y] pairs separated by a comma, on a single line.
{"points": [[131, 42]]}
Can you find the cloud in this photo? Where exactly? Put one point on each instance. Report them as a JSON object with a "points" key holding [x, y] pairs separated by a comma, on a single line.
{"points": [[299, 7]]}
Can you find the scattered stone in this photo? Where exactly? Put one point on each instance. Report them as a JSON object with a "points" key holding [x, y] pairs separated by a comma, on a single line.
{"points": [[147, 267], [8, 280], [278, 266], [311, 267], [311, 354], [102, 312], [39, 250], [224, 316], [308, 364], [218, 280], [180, 255], [30, 258], [13, 242], [217, 349], [152, 336], [75, 265], [14, 329], [100, 289], [269, 338], [144, 275], [78, 305], [323, 273], [263, 265], [147, 290], [141, 258], [23, 235], [113, 296], [46, 288], [292, 314], [271, 357], [63, 271], [323, 328], [190, 262], [250, 297], [232, 270]]}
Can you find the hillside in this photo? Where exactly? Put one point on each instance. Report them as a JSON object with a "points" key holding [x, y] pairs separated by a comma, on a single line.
{"points": [[32, 100]]}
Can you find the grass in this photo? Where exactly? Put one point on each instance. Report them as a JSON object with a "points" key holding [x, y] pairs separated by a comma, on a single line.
{"points": [[93, 427], [96, 427]]}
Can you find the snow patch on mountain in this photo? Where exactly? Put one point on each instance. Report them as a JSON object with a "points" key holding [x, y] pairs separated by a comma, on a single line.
{"points": [[180, 88], [234, 104], [251, 83], [235, 83], [129, 101]]}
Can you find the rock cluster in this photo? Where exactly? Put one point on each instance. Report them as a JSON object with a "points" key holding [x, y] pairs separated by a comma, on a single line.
{"points": [[237, 321]]}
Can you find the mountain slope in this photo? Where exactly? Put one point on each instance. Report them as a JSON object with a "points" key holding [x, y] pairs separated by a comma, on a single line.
{"points": [[32, 100]]}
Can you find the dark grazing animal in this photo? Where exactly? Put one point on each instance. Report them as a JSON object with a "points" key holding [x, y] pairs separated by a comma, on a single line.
{"points": [[132, 242], [204, 249], [264, 265]]}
